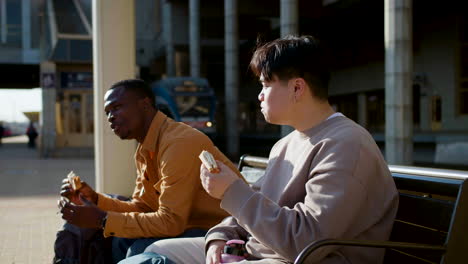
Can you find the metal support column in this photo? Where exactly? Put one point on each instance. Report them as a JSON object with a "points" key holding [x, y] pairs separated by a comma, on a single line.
{"points": [[289, 17], [3, 24], [231, 55], [169, 39], [48, 114], [398, 88], [362, 109], [289, 26], [194, 28]]}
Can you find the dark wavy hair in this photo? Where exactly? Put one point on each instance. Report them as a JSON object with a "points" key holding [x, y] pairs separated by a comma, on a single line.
{"points": [[138, 87], [294, 56]]}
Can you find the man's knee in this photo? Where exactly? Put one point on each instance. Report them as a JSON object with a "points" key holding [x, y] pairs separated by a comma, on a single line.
{"points": [[120, 247], [139, 246], [180, 250]]}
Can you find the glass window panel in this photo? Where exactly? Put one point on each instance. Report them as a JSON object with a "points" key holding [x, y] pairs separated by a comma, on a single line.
{"points": [[67, 17], [464, 102], [13, 8]]}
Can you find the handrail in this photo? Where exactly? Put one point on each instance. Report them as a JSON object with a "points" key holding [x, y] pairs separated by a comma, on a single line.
{"points": [[260, 162], [430, 172], [411, 170]]}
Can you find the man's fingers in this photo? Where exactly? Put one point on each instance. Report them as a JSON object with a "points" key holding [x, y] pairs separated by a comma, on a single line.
{"points": [[70, 206], [85, 201], [65, 186], [216, 259], [203, 169], [62, 202], [66, 192], [67, 214]]}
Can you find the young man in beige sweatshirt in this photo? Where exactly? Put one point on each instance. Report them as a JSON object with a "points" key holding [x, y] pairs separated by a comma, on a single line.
{"points": [[326, 179]]}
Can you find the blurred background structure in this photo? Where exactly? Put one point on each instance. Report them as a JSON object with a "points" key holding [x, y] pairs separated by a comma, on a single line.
{"points": [[399, 68]]}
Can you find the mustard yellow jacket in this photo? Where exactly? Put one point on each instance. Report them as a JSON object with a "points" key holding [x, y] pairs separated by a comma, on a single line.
{"points": [[168, 197]]}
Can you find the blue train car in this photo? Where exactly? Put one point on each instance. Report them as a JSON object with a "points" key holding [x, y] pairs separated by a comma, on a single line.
{"points": [[189, 100]]}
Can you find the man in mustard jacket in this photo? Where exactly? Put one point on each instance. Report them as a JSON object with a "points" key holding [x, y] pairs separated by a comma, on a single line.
{"points": [[168, 200]]}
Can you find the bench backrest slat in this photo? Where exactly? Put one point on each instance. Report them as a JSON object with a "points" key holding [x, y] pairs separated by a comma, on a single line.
{"points": [[420, 211]]}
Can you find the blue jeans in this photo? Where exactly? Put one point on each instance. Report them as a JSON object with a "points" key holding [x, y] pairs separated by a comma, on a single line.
{"points": [[126, 247], [147, 258]]}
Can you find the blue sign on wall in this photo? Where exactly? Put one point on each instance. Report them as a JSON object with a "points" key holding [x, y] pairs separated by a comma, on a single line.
{"points": [[76, 80]]}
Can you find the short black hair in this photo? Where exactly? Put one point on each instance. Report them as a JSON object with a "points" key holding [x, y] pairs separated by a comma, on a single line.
{"points": [[294, 56], [137, 86]]}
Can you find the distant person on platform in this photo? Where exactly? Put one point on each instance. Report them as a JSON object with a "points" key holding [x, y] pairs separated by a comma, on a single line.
{"points": [[168, 199], [326, 179], [2, 130], [32, 134]]}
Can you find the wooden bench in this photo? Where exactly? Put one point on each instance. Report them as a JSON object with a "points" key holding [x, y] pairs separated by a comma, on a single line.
{"points": [[431, 225]]}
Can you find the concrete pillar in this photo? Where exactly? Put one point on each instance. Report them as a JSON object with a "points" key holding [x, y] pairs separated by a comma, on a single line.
{"points": [[398, 82], [289, 15], [289, 10], [231, 61], [194, 42], [48, 127], [113, 60], [362, 109], [169, 38], [26, 25]]}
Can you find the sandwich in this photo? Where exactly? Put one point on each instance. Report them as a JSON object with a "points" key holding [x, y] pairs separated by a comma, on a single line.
{"points": [[74, 180], [209, 161]]}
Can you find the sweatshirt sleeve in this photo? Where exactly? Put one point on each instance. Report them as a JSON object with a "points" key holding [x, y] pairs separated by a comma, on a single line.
{"points": [[331, 205], [226, 230], [180, 170]]}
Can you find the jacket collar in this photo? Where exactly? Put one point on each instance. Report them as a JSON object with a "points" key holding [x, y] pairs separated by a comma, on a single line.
{"points": [[153, 134]]}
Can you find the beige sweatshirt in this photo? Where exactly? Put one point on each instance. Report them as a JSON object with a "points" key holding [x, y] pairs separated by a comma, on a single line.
{"points": [[330, 181]]}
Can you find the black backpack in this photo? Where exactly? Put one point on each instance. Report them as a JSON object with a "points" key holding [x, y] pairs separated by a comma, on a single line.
{"points": [[74, 245]]}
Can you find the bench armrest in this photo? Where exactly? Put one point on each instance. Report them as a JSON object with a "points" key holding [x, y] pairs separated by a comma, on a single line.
{"points": [[363, 243]]}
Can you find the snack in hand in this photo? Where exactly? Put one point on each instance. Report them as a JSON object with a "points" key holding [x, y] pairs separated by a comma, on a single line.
{"points": [[74, 180], [209, 161]]}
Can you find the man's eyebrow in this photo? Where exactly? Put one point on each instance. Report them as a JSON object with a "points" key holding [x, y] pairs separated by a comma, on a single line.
{"points": [[106, 106]]}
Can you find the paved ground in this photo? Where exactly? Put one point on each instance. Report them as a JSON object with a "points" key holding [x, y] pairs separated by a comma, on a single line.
{"points": [[29, 189]]}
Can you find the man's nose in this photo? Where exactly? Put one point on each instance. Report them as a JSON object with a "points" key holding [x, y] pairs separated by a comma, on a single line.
{"points": [[110, 117], [260, 96]]}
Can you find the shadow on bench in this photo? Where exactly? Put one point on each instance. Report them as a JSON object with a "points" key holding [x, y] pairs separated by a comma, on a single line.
{"points": [[431, 225]]}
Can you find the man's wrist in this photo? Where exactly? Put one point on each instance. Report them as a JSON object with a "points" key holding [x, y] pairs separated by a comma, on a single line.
{"points": [[95, 198], [104, 221], [232, 181]]}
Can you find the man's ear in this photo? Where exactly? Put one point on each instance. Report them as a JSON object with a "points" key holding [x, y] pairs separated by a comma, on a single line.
{"points": [[300, 87], [146, 103]]}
